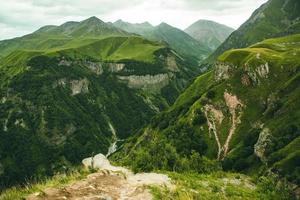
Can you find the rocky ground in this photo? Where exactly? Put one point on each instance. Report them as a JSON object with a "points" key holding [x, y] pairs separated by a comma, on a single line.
{"points": [[108, 184]]}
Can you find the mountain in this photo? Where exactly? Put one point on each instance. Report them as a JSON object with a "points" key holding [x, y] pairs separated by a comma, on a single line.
{"points": [[244, 113], [273, 19], [138, 28], [192, 50], [210, 33], [71, 90], [69, 34]]}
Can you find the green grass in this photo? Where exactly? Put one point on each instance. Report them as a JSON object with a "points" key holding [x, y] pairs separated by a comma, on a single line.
{"points": [[57, 181], [219, 185], [116, 49], [272, 100], [269, 23]]}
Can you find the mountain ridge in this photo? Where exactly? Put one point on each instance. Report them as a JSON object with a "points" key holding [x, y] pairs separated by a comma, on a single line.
{"points": [[209, 32]]}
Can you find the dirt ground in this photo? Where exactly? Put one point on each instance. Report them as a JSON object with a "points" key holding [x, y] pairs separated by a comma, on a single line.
{"points": [[110, 183]]}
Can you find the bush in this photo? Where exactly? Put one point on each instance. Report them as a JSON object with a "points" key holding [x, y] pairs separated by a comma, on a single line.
{"points": [[275, 188], [210, 94], [199, 120]]}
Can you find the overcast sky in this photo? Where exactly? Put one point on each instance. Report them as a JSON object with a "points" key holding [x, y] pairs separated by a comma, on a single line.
{"points": [[19, 17]]}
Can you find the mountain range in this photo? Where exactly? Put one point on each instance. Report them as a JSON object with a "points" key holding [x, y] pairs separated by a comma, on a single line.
{"points": [[137, 94], [66, 91], [181, 42]]}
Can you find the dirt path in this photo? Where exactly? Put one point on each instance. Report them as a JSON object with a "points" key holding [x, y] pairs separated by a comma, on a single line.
{"points": [[111, 183]]}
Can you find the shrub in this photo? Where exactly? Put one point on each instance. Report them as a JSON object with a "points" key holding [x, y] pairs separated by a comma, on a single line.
{"points": [[210, 94]]}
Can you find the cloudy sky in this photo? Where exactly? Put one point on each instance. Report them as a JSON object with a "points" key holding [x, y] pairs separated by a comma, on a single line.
{"points": [[19, 17]]}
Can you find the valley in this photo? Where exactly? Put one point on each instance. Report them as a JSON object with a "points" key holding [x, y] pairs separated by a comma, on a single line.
{"points": [[119, 110]]}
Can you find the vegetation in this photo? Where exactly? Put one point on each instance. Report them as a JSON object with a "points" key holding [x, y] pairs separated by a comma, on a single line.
{"points": [[57, 181], [221, 185], [264, 77], [60, 97], [268, 21]]}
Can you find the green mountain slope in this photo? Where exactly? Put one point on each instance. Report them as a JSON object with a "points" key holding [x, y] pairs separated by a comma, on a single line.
{"points": [[210, 33], [67, 35], [273, 19], [189, 48], [244, 113], [75, 89]]}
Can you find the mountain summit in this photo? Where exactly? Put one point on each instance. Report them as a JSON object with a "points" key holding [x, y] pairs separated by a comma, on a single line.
{"points": [[209, 32]]}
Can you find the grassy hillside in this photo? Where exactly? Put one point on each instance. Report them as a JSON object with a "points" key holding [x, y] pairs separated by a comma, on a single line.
{"points": [[273, 19], [67, 35], [62, 104], [192, 50], [244, 114], [217, 185]]}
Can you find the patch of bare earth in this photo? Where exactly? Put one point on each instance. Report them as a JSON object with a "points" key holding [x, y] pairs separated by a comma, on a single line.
{"points": [[215, 117], [110, 183]]}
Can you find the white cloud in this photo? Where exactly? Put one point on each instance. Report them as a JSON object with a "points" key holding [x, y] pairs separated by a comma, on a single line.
{"points": [[18, 17]]}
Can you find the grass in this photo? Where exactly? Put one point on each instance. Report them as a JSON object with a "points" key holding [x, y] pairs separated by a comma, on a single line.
{"points": [[218, 185], [57, 181], [271, 99], [116, 49]]}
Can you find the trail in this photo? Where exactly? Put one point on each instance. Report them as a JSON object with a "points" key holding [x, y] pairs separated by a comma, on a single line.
{"points": [[111, 183]]}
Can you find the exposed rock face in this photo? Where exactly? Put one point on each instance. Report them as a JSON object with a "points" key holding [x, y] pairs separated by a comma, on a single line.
{"points": [[263, 140], [215, 117], [222, 71], [260, 72], [148, 82], [172, 64], [233, 104], [115, 67], [79, 86], [245, 80], [94, 67], [150, 103], [64, 62], [61, 82], [20, 122]]}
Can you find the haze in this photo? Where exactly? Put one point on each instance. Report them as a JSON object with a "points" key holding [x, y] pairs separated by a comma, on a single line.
{"points": [[19, 17]]}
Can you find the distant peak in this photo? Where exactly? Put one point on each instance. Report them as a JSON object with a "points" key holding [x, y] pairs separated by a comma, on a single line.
{"points": [[119, 21], [92, 19], [146, 24], [163, 24]]}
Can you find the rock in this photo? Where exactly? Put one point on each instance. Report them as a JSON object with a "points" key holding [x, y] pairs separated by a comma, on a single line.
{"points": [[262, 143], [94, 67], [79, 86], [115, 67], [260, 72], [150, 83], [105, 197], [61, 82], [245, 80], [64, 62], [172, 64], [222, 71]]}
